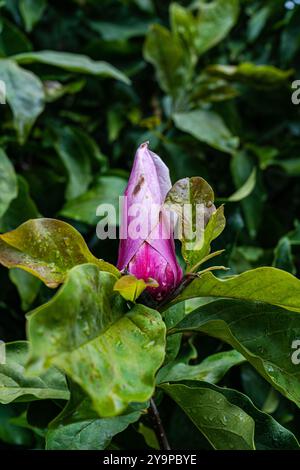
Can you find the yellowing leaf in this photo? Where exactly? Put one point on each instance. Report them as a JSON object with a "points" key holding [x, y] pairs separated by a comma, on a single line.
{"points": [[47, 248], [131, 288]]}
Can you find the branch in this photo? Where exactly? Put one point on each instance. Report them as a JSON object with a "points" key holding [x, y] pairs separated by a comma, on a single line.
{"points": [[158, 427]]}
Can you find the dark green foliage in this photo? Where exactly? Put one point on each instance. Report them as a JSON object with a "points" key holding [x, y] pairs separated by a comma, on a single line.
{"points": [[209, 84]]}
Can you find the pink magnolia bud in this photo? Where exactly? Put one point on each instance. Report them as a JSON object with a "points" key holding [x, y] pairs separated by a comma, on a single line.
{"points": [[148, 251]]}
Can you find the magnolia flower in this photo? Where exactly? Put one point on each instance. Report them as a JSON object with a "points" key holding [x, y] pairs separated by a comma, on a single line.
{"points": [[147, 245]]}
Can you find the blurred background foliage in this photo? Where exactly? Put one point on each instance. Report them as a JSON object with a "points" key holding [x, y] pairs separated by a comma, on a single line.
{"points": [[208, 83]]}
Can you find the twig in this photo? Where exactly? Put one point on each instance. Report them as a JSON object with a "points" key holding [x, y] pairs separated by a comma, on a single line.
{"points": [[158, 427]]}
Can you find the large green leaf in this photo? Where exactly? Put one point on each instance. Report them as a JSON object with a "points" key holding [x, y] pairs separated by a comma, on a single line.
{"points": [[106, 190], [78, 427], [24, 94], [268, 433], [47, 248], [84, 330], [192, 199], [14, 385], [207, 25], [72, 62], [8, 182], [208, 127], [168, 57], [264, 284], [212, 369], [225, 425], [262, 333]]}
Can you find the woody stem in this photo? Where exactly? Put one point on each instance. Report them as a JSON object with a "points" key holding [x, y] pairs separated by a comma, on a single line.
{"points": [[158, 427]]}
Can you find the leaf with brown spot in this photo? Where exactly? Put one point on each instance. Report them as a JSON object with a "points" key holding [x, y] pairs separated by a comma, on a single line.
{"points": [[48, 249], [87, 331], [199, 220]]}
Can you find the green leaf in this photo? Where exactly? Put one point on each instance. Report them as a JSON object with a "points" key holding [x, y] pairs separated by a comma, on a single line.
{"points": [[149, 436], [266, 154], [113, 31], [244, 191], [173, 315], [291, 166], [264, 284], [212, 369], [214, 228], [24, 94], [168, 57], [14, 385], [208, 127], [272, 401], [74, 148], [130, 288], [208, 89], [22, 420], [294, 235], [31, 11], [225, 425], [257, 22], [78, 427], [262, 333], [55, 90], [21, 208], [241, 168], [48, 249], [115, 123], [283, 258], [260, 76], [207, 25], [12, 40], [200, 223], [106, 190], [28, 286], [85, 328], [9, 432], [73, 63], [145, 5], [256, 387], [268, 433], [8, 182]]}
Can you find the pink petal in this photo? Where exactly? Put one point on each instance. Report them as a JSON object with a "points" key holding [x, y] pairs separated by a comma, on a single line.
{"points": [[148, 184]]}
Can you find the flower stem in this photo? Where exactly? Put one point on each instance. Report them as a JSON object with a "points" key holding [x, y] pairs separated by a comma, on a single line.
{"points": [[185, 281], [158, 427]]}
